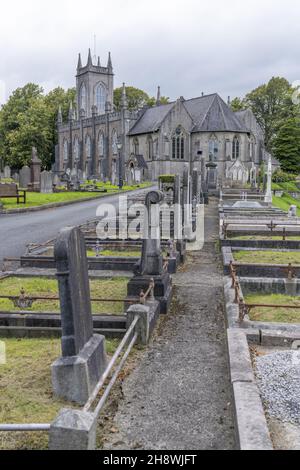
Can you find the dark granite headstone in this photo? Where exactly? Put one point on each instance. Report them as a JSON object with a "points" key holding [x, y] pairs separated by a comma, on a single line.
{"points": [[83, 360]]}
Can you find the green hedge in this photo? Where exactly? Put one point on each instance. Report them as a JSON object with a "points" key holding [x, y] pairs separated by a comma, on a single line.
{"points": [[167, 178]]}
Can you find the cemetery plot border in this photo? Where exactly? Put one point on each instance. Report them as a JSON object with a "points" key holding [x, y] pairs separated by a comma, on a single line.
{"points": [[237, 311], [257, 270]]}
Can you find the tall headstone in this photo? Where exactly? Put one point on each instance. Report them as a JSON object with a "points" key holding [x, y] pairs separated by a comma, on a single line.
{"points": [[24, 177], [35, 168], [83, 361], [268, 196], [151, 263], [7, 172], [46, 182]]}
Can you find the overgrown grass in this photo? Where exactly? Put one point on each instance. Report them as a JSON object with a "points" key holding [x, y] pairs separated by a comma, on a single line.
{"points": [[271, 314], [267, 257], [26, 390], [115, 288]]}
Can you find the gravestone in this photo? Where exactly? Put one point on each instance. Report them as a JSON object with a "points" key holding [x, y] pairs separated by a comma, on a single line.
{"points": [[187, 204], [46, 182], [24, 176], [83, 361], [151, 263], [292, 211], [16, 177], [7, 172], [35, 168], [268, 196]]}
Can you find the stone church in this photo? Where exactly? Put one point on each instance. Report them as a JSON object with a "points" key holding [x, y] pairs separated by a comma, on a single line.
{"points": [[100, 142]]}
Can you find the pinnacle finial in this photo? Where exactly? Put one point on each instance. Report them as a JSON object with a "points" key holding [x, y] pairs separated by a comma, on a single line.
{"points": [[158, 96], [99, 63], [124, 97], [71, 112], [90, 61], [59, 116], [79, 65], [109, 62]]}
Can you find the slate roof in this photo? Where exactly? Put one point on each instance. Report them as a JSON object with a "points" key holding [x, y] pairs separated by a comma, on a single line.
{"points": [[141, 162], [151, 120], [208, 113]]}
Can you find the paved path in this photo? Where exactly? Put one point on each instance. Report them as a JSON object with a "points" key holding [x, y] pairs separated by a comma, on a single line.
{"points": [[179, 395], [18, 230]]}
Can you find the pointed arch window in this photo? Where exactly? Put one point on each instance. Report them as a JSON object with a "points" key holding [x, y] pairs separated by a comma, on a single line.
{"points": [[136, 148], [178, 145], [100, 98], [235, 148], [213, 148], [101, 144], [65, 150], [76, 149], [150, 148], [114, 142], [82, 100], [88, 147]]}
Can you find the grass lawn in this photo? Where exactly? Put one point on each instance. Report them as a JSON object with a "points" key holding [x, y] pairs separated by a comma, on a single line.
{"points": [[271, 314], [116, 253], [288, 186], [39, 199], [264, 237], [26, 390], [267, 257], [285, 202], [42, 287]]}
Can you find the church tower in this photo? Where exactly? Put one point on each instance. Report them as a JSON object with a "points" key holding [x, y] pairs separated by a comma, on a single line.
{"points": [[94, 85]]}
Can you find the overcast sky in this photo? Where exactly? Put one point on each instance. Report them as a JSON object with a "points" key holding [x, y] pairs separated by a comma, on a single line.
{"points": [[187, 46]]}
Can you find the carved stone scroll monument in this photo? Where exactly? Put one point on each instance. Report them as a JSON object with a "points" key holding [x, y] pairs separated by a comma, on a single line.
{"points": [[151, 264]]}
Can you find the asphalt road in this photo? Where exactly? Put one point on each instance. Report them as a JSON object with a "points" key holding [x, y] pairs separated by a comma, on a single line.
{"points": [[18, 230]]}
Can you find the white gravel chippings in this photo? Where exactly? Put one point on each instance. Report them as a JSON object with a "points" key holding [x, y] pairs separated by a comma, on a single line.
{"points": [[278, 377]]}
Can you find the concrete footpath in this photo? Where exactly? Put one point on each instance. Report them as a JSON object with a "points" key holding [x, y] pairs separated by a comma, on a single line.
{"points": [[178, 397]]}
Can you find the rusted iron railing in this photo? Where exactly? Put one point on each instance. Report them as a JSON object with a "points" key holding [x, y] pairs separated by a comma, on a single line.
{"points": [[148, 294], [245, 308]]}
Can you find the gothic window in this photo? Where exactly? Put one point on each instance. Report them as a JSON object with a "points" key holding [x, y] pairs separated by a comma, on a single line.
{"points": [[114, 142], [76, 149], [235, 148], [213, 148], [150, 148], [100, 98], [88, 147], [82, 101], [228, 149], [65, 150], [136, 147], [101, 144], [166, 147], [178, 145]]}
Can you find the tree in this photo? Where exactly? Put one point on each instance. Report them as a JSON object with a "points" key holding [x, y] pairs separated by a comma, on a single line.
{"points": [[271, 104], [136, 98], [237, 104], [287, 145], [29, 119], [18, 104]]}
